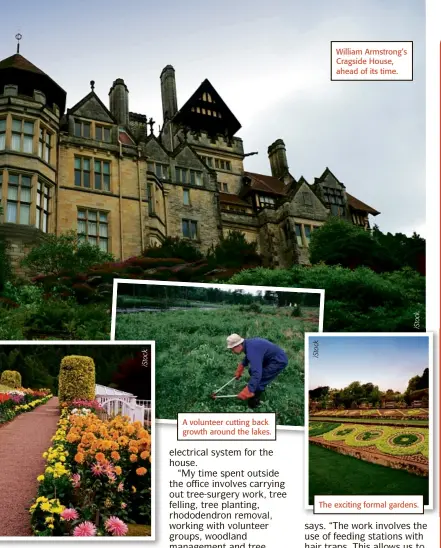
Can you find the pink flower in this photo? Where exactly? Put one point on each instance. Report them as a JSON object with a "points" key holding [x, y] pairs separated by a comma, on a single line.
{"points": [[76, 478], [121, 487], [97, 469], [69, 514], [85, 529], [123, 505], [116, 527]]}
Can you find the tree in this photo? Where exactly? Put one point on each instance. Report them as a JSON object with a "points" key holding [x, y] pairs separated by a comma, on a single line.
{"points": [[234, 251], [64, 253], [340, 242]]}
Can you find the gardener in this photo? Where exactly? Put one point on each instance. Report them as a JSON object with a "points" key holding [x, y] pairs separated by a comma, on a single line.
{"points": [[265, 360]]}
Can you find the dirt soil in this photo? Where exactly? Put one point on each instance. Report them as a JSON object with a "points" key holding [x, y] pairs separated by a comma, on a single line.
{"points": [[22, 443]]}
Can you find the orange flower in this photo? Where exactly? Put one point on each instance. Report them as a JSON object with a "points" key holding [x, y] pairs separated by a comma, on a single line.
{"points": [[115, 455], [141, 471], [72, 438], [123, 440], [100, 457], [133, 458], [79, 458], [133, 449], [118, 470], [145, 455], [130, 429]]}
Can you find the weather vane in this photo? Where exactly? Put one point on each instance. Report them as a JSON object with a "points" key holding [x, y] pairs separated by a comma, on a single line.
{"points": [[18, 37]]}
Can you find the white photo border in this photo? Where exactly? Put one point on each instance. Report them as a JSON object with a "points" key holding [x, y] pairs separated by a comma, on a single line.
{"points": [[117, 281], [152, 537], [432, 419]]}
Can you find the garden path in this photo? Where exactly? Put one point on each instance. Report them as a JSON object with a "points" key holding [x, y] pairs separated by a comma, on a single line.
{"points": [[22, 443]]}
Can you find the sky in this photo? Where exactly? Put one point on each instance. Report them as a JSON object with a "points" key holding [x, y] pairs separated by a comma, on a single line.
{"points": [[270, 62], [388, 362]]}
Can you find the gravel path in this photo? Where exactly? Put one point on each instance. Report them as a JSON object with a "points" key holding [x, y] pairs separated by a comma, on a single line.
{"points": [[22, 443]]}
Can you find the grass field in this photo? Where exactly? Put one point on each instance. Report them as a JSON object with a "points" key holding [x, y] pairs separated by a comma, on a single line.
{"points": [[192, 360], [333, 474]]}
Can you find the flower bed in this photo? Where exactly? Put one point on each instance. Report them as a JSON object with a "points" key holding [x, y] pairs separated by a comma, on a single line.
{"points": [[97, 478], [404, 414], [387, 439], [15, 402]]}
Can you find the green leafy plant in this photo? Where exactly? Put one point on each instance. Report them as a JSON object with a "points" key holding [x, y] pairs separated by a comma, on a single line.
{"points": [[63, 253]]}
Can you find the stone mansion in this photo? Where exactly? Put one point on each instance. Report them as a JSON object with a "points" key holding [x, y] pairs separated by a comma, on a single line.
{"points": [[103, 172]]}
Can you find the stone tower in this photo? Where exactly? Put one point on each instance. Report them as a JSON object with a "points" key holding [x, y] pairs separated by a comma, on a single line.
{"points": [[119, 102], [277, 158], [168, 93], [31, 107]]}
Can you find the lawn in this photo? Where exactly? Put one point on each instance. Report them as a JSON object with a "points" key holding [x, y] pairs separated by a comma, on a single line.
{"points": [[192, 360], [333, 474]]}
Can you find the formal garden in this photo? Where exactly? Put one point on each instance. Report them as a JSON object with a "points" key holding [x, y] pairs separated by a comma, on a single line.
{"points": [[87, 467], [378, 441], [372, 282]]}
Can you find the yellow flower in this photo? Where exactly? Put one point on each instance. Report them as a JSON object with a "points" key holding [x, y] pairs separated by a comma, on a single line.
{"points": [[50, 526], [49, 519], [40, 478], [133, 489], [46, 507]]}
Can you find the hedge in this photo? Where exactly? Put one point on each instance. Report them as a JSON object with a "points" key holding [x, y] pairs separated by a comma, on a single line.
{"points": [[77, 379], [11, 378]]}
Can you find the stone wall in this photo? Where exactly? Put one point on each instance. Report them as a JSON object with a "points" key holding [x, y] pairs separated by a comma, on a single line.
{"points": [[21, 240]]}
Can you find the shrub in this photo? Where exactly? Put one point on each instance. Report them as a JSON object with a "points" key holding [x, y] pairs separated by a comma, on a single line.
{"points": [[77, 379], [175, 248], [234, 251], [5, 263], [63, 253], [11, 378]]}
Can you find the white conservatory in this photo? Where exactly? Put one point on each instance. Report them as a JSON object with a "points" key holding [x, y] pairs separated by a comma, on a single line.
{"points": [[116, 402]]}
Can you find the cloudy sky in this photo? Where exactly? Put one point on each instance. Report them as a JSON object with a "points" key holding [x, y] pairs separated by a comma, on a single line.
{"points": [[388, 362], [270, 62]]}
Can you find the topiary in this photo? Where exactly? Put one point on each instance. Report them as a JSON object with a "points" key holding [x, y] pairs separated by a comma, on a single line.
{"points": [[77, 379], [11, 379]]}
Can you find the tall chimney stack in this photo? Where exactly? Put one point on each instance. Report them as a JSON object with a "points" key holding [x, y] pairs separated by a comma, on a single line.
{"points": [[277, 158], [119, 102], [168, 93]]}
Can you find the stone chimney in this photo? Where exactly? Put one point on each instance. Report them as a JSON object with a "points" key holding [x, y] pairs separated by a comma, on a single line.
{"points": [[119, 102], [168, 93], [277, 158]]}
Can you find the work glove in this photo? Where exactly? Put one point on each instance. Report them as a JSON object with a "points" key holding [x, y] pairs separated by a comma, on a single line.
{"points": [[245, 394], [239, 371]]}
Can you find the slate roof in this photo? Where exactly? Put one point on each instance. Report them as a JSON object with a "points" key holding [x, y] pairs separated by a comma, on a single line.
{"points": [[358, 204], [232, 199], [19, 62], [266, 183]]}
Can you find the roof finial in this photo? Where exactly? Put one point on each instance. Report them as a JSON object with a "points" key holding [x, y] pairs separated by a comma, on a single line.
{"points": [[151, 123], [92, 85], [18, 37]]}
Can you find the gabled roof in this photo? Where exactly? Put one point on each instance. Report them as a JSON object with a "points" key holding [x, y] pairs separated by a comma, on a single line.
{"points": [[327, 173], [358, 204], [224, 122], [266, 183], [93, 108]]}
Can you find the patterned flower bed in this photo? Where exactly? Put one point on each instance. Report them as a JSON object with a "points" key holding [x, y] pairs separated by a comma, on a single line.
{"points": [[97, 478], [15, 402], [386, 439], [418, 414]]}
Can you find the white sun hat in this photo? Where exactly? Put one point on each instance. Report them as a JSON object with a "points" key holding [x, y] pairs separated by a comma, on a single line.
{"points": [[234, 340]]}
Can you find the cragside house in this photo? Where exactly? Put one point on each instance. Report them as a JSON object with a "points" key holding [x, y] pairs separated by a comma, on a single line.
{"points": [[103, 172]]}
